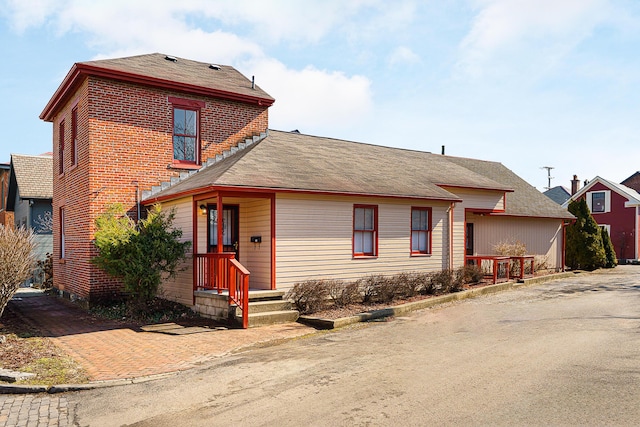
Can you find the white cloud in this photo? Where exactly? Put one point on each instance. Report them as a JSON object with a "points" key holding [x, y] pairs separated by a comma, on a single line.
{"points": [[403, 55], [310, 98], [527, 33]]}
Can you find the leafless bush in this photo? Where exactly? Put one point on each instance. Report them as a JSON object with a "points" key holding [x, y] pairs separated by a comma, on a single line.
{"points": [[377, 288], [540, 263], [471, 274], [16, 261], [510, 248], [343, 294], [309, 296], [408, 284], [442, 281], [44, 223]]}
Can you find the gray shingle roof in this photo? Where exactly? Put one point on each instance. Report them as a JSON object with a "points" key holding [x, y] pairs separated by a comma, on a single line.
{"points": [[525, 200], [293, 161], [183, 75], [225, 78], [33, 175]]}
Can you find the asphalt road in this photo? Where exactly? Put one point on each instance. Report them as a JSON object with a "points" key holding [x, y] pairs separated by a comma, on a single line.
{"points": [[562, 353]]}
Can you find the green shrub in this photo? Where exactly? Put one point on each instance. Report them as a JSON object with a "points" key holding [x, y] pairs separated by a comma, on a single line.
{"points": [[584, 248], [610, 253], [139, 254]]}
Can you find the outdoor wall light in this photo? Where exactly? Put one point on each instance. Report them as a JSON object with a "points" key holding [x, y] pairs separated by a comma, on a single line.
{"points": [[203, 209]]}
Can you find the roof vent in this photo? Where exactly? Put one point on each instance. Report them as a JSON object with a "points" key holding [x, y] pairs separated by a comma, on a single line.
{"points": [[214, 66], [171, 58], [295, 131]]}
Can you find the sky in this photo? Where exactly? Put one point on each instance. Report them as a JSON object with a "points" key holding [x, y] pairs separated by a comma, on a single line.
{"points": [[527, 83]]}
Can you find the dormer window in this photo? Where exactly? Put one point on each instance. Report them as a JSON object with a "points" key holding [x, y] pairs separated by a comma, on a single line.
{"points": [[186, 130]]}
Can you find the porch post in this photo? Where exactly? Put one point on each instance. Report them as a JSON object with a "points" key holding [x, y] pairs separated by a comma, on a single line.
{"points": [[220, 226], [194, 247]]}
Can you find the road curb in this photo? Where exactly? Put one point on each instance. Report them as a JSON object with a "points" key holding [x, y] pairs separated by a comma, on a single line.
{"points": [[401, 309], [63, 388]]}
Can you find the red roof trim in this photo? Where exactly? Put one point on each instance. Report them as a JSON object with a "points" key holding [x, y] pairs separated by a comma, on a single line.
{"points": [[79, 71], [209, 189]]}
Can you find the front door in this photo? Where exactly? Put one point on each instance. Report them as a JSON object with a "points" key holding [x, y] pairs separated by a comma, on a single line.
{"points": [[469, 239], [230, 228]]}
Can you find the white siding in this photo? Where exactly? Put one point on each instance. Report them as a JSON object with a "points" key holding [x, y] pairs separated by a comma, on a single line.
{"points": [[479, 199], [314, 239], [255, 220], [541, 236], [180, 288]]}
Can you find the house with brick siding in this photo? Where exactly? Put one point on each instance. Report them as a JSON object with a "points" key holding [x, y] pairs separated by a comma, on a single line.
{"points": [[264, 209]]}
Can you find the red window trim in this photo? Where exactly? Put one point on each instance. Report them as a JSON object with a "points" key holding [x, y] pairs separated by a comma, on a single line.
{"points": [[74, 136], [63, 240], [61, 147], [428, 230], [192, 105], [375, 232]]}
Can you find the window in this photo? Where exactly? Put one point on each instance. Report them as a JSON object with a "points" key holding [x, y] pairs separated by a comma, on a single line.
{"points": [[185, 135], [74, 136], [599, 201], [62, 236], [61, 148], [365, 230], [420, 230]]}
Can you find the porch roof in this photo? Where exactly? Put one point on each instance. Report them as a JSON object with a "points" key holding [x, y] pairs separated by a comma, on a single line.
{"points": [[290, 161]]}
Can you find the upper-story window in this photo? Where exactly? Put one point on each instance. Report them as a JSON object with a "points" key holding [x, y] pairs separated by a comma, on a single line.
{"points": [[185, 135], [61, 148], [186, 130], [599, 201], [73, 152]]}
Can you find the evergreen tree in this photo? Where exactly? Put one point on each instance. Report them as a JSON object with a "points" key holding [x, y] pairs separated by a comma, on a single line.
{"points": [[584, 248], [610, 253]]}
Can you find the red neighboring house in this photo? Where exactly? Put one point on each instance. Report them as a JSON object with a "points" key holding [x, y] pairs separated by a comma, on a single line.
{"points": [[616, 207]]}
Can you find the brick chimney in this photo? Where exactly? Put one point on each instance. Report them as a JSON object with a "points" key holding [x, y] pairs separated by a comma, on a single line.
{"points": [[575, 185]]}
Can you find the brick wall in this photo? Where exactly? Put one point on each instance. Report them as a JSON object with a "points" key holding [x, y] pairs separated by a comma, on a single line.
{"points": [[633, 182], [125, 147]]}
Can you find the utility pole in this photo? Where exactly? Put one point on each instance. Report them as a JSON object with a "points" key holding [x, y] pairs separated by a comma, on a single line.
{"points": [[549, 177]]}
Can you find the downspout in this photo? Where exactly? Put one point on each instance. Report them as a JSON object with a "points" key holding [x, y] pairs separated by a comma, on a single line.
{"points": [[564, 244], [451, 207]]}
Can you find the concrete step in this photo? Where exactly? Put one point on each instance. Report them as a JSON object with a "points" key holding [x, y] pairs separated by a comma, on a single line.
{"points": [[272, 317], [265, 295], [269, 305]]}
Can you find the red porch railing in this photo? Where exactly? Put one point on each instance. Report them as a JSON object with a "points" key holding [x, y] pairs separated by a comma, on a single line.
{"points": [[499, 265], [525, 265], [222, 272]]}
